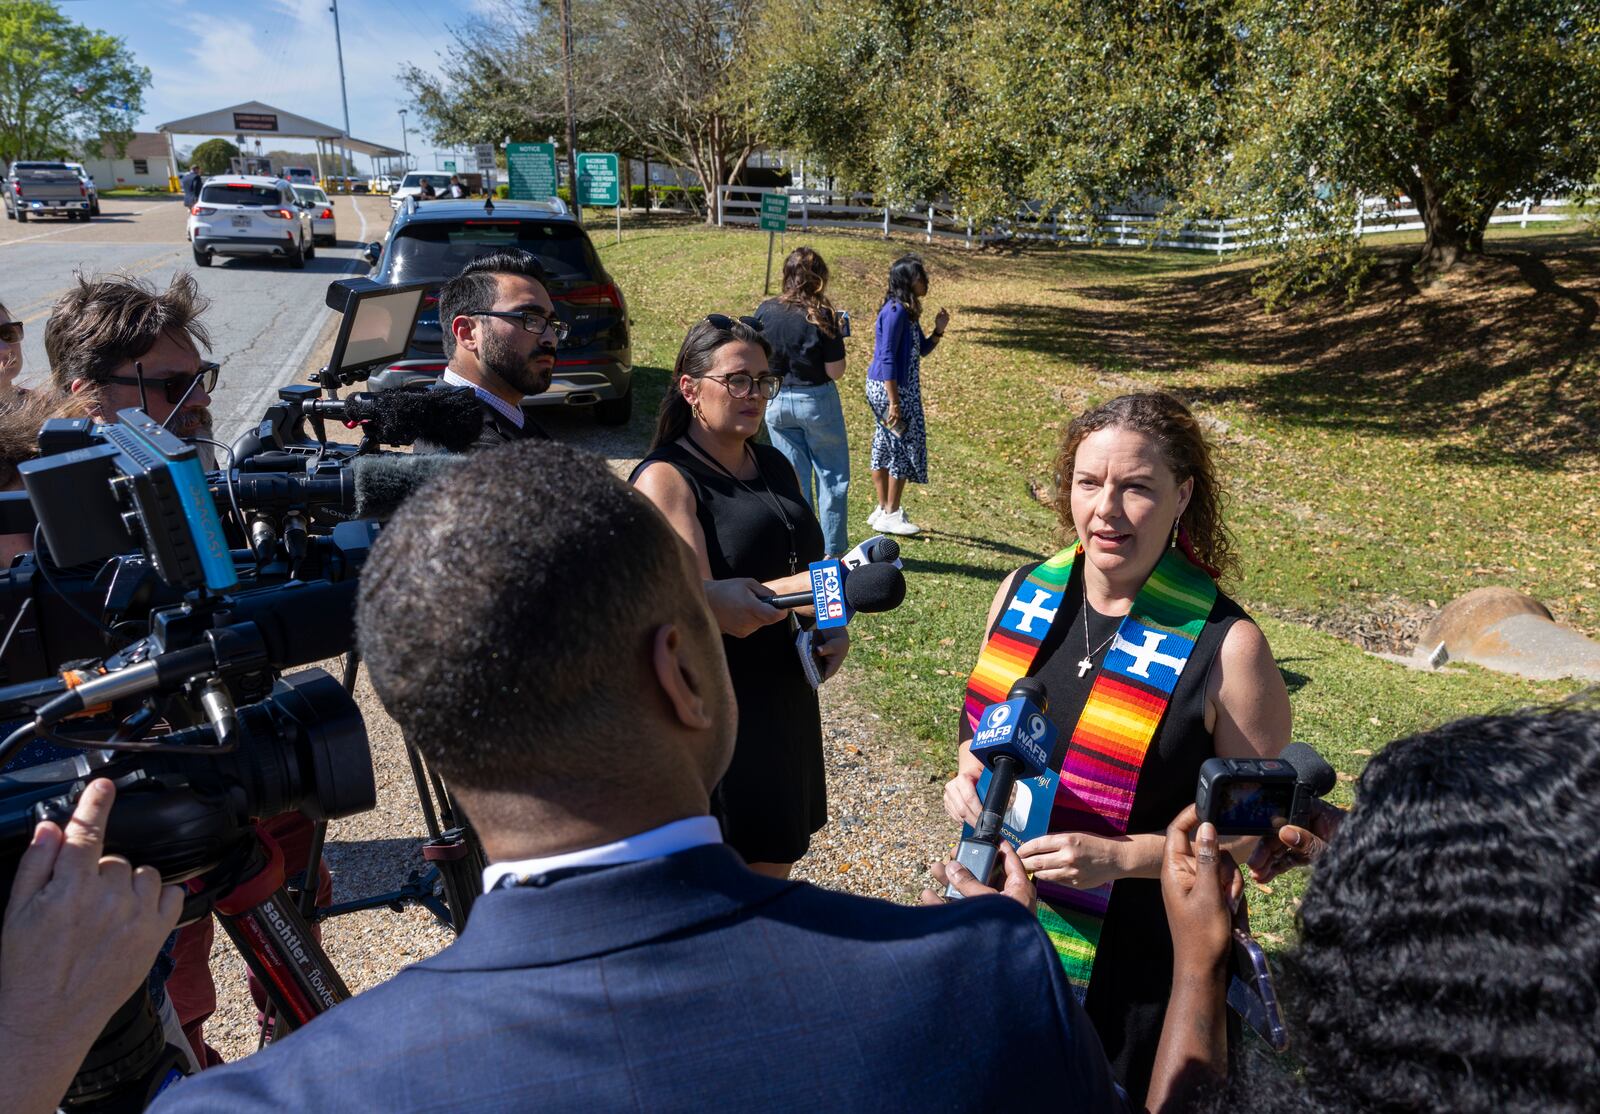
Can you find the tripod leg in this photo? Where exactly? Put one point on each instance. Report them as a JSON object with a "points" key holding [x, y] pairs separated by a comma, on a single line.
{"points": [[276, 943], [278, 947], [419, 774]]}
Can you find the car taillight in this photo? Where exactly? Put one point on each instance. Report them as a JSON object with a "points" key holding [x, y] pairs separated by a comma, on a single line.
{"points": [[429, 300], [19, 189], [605, 295], [82, 190], [327, 214], [202, 211], [281, 214]]}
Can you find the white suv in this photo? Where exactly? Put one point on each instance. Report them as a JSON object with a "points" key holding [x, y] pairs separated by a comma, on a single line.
{"points": [[411, 186], [242, 214]]}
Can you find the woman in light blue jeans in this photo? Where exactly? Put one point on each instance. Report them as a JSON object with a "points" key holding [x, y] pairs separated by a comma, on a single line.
{"points": [[806, 420]]}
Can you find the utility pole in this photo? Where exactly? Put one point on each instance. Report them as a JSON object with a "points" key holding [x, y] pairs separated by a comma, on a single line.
{"points": [[572, 119], [338, 46], [405, 151]]}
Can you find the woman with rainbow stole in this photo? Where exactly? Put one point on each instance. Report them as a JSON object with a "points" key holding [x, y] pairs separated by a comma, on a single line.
{"points": [[1150, 671]]}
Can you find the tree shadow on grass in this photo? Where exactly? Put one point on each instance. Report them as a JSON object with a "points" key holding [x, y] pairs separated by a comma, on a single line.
{"points": [[1494, 361]]}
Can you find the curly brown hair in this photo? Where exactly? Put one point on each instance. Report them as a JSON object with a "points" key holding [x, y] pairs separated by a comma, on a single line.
{"points": [[1186, 452], [805, 277]]}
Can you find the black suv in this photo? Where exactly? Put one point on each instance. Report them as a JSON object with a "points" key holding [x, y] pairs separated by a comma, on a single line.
{"points": [[430, 241]]}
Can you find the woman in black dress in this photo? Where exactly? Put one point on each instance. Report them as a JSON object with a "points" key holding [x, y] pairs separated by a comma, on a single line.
{"points": [[739, 507], [1137, 489]]}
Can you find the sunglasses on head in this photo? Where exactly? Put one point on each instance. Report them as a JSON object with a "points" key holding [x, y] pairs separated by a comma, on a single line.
{"points": [[723, 321], [11, 332], [175, 386]]}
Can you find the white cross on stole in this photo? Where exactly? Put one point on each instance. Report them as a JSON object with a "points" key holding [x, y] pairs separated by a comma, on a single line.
{"points": [[1034, 610], [1147, 655]]}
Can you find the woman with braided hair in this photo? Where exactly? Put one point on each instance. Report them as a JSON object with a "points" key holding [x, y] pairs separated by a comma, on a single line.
{"points": [[1150, 671]]}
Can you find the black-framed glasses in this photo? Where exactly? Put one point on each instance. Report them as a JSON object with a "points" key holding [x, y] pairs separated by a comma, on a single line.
{"points": [[176, 386], [530, 321], [723, 321], [739, 384], [11, 332]]}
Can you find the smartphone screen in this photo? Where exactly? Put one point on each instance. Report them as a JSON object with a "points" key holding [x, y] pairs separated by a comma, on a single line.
{"points": [[1251, 993]]}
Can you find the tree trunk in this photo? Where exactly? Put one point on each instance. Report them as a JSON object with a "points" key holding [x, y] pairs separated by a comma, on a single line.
{"points": [[714, 163], [1450, 232]]}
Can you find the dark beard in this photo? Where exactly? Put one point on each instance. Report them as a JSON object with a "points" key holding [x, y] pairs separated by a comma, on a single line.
{"points": [[190, 423], [501, 359]]}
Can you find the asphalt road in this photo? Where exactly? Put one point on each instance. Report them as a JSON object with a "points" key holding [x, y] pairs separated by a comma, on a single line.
{"points": [[265, 318]]}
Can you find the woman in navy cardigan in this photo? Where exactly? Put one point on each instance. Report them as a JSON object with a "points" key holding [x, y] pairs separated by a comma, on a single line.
{"points": [[894, 391]]}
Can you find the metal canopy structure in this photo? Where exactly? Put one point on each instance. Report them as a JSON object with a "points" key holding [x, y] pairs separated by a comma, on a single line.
{"points": [[254, 119]]}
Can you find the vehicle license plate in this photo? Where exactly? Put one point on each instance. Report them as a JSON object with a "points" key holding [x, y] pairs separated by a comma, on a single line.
{"points": [[241, 220]]}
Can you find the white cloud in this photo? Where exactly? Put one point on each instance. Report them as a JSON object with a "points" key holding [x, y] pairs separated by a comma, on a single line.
{"points": [[284, 56]]}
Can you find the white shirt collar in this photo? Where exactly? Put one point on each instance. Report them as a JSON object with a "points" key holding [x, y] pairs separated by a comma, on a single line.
{"points": [[669, 839], [512, 414]]}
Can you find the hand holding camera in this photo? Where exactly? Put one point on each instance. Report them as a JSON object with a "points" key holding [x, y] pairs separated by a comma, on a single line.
{"points": [[81, 930]]}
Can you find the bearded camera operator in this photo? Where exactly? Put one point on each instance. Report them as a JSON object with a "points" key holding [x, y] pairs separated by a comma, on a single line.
{"points": [[117, 342], [500, 336], [106, 334]]}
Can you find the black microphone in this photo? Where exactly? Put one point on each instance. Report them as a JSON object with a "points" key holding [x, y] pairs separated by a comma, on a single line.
{"points": [[1310, 768], [449, 417], [871, 588], [384, 481], [876, 548], [1015, 739]]}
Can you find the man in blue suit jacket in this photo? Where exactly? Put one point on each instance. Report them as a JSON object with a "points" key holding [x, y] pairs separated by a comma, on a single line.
{"points": [[540, 633]]}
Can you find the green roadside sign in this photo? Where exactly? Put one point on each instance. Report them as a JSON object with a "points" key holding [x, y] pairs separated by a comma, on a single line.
{"points": [[598, 181], [532, 170], [774, 212], [449, 164]]}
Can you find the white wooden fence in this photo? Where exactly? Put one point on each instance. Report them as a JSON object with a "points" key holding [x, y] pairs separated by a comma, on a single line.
{"points": [[809, 208]]}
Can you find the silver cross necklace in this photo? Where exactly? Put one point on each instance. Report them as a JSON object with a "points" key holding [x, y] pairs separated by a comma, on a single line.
{"points": [[1087, 662]]}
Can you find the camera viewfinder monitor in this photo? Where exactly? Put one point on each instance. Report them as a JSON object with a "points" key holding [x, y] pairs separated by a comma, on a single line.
{"points": [[378, 320]]}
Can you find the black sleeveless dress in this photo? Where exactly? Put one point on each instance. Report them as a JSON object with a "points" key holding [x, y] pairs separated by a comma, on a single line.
{"points": [[1132, 977], [774, 794]]}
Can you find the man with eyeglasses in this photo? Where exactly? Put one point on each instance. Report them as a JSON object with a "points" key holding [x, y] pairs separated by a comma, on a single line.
{"points": [[500, 337], [118, 342]]}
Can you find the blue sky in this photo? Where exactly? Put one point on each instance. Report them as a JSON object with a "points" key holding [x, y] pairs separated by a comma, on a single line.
{"points": [[209, 54]]}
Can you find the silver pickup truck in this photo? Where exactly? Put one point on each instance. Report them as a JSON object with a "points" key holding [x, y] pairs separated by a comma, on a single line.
{"points": [[38, 188]]}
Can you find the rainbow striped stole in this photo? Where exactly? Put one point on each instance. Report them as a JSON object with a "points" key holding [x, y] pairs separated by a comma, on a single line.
{"points": [[1131, 691]]}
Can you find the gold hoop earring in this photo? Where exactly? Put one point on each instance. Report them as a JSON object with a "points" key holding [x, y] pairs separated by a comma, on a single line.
{"points": [[695, 408]]}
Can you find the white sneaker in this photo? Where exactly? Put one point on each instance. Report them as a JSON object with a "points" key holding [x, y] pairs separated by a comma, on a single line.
{"points": [[896, 522], [874, 518]]}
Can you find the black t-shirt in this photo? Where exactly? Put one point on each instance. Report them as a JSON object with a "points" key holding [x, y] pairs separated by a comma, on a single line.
{"points": [[799, 349]]}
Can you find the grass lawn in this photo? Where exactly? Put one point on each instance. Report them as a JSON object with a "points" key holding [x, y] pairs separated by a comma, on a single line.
{"points": [[1382, 458]]}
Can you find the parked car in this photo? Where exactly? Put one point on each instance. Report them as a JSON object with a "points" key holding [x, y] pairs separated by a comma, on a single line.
{"points": [[88, 184], [240, 214], [383, 183], [411, 186], [315, 202], [36, 188], [432, 242], [299, 175]]}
